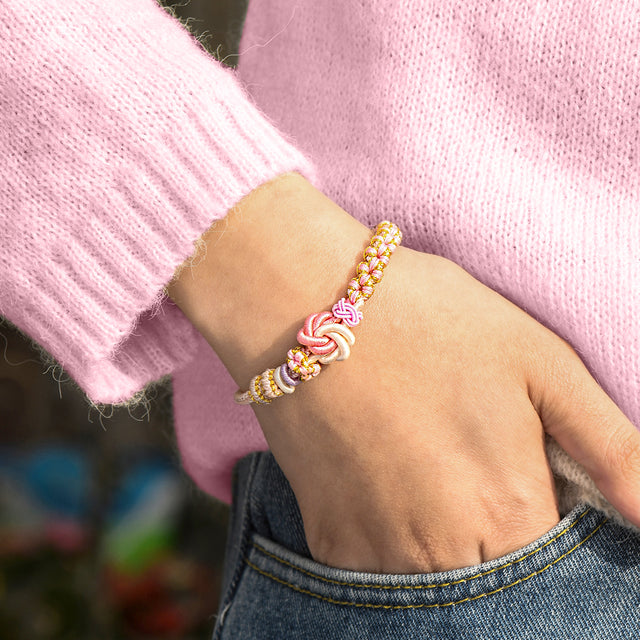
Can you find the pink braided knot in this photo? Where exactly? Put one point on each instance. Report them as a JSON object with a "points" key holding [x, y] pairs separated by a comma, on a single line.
{"points": [[298, 363], [371, 271], [345, 311], [319, 344], [389, 232], [356, 290], [378, 249]]}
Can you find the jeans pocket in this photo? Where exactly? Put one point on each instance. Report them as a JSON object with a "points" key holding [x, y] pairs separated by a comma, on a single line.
{"points": [[283, 594], [432, 590]]}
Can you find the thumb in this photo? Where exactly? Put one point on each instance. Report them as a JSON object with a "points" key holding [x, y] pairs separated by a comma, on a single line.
{"points": [[589, 426]]}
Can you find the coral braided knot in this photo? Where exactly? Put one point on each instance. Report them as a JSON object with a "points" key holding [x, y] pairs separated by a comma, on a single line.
{"points": [[319, 344]]}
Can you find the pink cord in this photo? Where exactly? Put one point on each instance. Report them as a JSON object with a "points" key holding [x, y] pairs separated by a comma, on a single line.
{"points": [[326, 336]]}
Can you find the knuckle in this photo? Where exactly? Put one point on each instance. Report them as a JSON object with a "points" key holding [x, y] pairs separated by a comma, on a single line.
{"points": [[566, 354], [560, 383], [623, 452]]}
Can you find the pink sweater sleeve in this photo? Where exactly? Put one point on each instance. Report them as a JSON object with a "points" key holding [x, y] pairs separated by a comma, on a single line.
{"points": [[121, 141]]}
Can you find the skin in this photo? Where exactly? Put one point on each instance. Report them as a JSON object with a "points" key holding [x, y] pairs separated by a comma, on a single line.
{"points": [[424, 451]]}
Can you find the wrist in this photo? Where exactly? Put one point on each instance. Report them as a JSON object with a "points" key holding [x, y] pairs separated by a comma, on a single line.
{"points": [[284, 251]]}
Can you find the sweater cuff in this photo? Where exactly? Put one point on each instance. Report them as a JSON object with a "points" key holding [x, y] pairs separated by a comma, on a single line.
{"points": [[127, 141]]}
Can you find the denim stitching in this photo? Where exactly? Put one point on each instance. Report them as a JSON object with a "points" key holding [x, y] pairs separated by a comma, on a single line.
{"points": [[369, 605], [422, 586]]}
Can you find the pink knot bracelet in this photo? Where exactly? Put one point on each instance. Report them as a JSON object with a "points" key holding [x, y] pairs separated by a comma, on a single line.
{"points": [[326, 336]]}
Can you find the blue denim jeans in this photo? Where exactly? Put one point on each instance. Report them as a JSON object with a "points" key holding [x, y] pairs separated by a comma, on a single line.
{"points": [[579, 580]]}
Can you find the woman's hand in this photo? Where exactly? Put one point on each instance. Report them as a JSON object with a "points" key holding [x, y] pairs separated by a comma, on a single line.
{"points": [[424, 451]]}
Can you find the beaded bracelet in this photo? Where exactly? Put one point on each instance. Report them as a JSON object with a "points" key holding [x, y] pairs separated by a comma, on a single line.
{"points": [[326, 337]]}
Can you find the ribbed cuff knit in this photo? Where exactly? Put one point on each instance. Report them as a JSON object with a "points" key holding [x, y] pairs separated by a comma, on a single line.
{"points": [[123, 140]]}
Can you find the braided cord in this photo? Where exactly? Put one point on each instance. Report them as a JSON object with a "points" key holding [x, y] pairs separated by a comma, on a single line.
{"points": [[326, 337]]}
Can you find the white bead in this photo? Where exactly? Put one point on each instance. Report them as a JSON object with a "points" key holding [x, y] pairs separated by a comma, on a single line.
{"points": [[286, 388], [343, 337]]}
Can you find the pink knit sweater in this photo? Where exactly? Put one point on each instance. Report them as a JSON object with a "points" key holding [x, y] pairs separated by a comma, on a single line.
{"points": [[503, 136]]}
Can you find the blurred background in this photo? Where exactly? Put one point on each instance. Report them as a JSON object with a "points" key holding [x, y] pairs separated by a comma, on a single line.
{"points": [[102, 535]]}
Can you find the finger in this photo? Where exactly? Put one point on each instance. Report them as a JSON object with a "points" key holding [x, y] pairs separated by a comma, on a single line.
{"points": [[589, 426]]}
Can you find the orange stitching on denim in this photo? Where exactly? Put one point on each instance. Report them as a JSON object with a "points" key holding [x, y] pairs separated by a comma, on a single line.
{"points": [[413, 587], [369, 605]]}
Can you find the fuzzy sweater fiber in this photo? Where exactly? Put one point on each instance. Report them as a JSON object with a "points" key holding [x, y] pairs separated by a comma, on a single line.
{"points": [[503, 136]]}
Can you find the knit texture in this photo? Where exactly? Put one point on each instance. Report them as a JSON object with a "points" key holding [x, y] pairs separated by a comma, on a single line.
{"points": [[500, 135], [122, 141]]}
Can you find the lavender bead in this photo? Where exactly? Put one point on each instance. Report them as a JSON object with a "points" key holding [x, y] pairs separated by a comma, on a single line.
{"points": [[286, 376]]}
